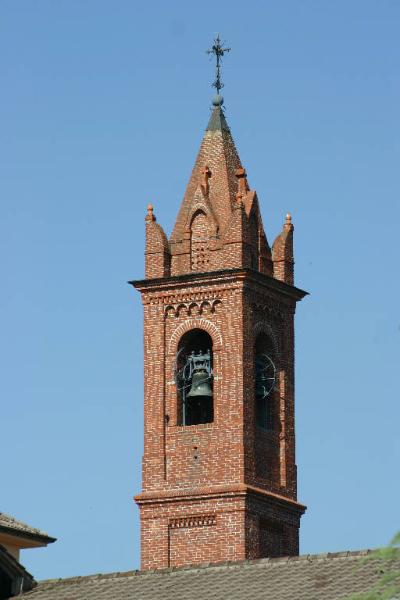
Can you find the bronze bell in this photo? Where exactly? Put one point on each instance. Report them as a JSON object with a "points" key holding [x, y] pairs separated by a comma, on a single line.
{"points": [[200, 385]]}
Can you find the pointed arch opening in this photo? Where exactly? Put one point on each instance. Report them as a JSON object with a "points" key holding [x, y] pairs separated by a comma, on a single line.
{"points": [[194, 377]]}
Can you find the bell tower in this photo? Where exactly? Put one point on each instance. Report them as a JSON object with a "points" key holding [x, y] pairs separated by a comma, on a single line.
{"points": [[219, 471]]}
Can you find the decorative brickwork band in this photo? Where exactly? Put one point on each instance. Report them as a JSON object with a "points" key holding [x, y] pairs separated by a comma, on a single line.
{"points": [[193, 521]]}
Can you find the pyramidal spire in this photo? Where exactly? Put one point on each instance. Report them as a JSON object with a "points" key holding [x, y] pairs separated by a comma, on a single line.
{"points": [[218, 153]]}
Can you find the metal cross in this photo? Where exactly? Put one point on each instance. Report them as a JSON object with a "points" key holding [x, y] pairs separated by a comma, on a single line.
{"points": [[219, 51]]}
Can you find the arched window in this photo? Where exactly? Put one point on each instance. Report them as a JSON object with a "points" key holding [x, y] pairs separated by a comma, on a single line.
{"points": [[264, 377], [194, 378], [199, 240]]}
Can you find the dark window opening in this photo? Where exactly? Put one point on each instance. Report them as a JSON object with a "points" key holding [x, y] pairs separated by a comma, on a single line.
{"points": [[264, 413], [264, 377], [195, 379]]}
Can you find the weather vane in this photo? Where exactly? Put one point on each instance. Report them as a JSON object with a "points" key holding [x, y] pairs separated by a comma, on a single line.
{"points": [[218, 50]]}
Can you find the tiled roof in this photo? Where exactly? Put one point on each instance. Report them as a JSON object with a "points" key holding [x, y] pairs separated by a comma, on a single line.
{"points": [[317, 577], [13, 526]]}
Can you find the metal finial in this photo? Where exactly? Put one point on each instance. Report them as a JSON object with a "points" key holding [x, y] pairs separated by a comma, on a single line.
{"points": [[218, 50]]}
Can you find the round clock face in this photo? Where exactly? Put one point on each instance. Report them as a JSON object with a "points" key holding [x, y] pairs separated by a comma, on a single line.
{"points": [[265, 375]]}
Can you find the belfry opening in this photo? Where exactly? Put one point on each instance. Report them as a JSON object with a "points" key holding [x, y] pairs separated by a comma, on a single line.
{"points": [[194, 378]]}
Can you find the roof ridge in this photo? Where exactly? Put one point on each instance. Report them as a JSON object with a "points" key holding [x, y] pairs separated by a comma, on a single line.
{"points": [[231, 565], [79, 578]]}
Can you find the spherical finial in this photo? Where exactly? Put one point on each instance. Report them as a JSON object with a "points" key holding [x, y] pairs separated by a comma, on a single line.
{"points": [[288, 218], [149, 208], [218, 100]]}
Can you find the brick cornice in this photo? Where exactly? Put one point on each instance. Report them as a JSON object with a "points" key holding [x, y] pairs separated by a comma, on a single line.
{"points": [[212, 492], [163, 284]]}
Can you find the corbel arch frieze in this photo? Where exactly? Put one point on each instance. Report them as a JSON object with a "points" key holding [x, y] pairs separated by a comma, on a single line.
{"points": [[191, 309]]}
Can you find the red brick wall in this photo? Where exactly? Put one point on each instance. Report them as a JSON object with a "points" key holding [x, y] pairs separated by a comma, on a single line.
{"points": [[193, 531], [182, 461]]}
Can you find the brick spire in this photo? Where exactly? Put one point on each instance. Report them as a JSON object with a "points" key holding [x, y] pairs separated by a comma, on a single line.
{"points": [[216, 180], [219, 153]]}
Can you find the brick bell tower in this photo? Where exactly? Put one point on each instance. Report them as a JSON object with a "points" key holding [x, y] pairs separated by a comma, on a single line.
{"points": [[219, 472]]}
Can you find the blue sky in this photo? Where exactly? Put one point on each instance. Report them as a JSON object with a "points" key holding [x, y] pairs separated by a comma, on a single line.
{"points": [[102, 110]]}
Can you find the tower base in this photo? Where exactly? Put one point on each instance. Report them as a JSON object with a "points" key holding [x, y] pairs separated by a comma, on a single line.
{"points": [[218, 524]]}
